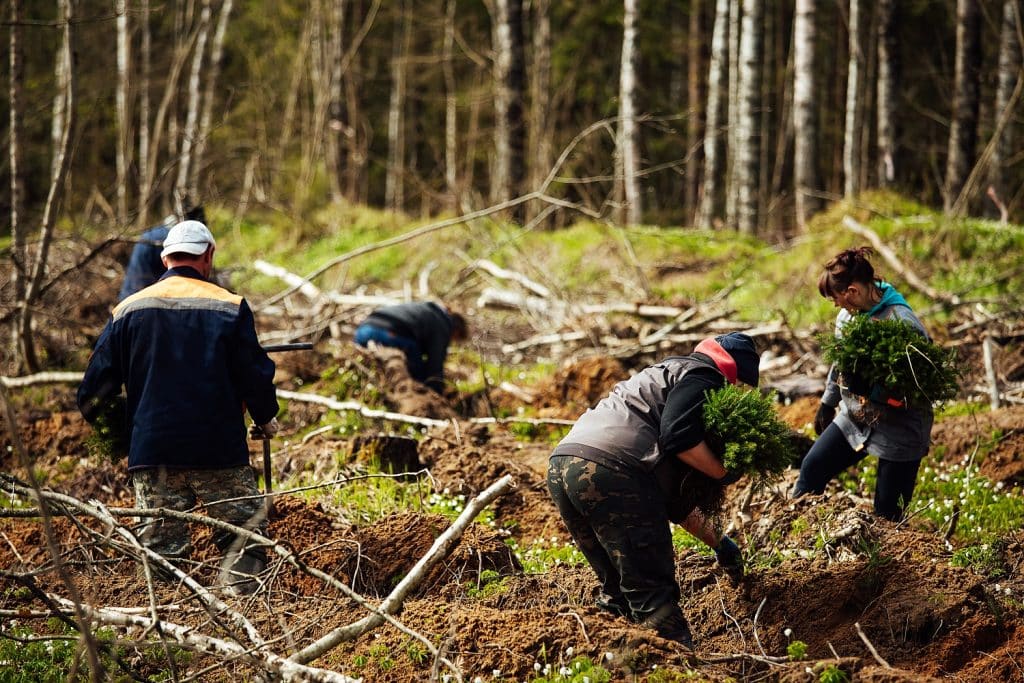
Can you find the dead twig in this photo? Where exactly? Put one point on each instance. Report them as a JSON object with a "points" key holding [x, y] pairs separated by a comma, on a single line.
{"points": [[871, 648]]}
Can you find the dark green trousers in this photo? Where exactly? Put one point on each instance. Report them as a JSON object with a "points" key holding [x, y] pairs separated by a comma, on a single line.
{"points": [[620, 524]]}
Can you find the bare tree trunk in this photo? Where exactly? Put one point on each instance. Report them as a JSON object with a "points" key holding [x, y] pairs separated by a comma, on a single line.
{"points": [[188, 135], [963, 130], [748, 133], [394, 198], [695, 109], [888, 70], [216, 52], [502, 48], [516, 84], [627, 143], [336, 125], [735, 35], [713, 146], [62, 153], [1009, 72], [851, 134], [450, 110], [15, 84], [121, 106], [145, 55], [806, 176], [540, 99]]}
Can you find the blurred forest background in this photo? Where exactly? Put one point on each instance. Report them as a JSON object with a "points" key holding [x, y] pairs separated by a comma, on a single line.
{"points": [[742, 115]]}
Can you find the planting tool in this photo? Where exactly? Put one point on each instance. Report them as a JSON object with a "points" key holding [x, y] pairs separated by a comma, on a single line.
{"points": [[272, 348]]}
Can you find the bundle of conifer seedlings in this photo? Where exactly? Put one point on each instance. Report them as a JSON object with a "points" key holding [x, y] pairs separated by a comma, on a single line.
{"points": [[891, 359], [743, 429]]}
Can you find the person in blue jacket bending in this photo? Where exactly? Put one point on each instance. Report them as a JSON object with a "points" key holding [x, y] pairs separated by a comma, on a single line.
{"points": [[422, 330]]}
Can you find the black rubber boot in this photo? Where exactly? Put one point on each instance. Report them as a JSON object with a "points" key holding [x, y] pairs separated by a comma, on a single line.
{"points": [[616, 605], [670, 624]]}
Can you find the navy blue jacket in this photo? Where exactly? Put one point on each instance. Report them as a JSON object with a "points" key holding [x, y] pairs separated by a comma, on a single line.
{"points": [[187, 354], [144, 266], [429, 326]]}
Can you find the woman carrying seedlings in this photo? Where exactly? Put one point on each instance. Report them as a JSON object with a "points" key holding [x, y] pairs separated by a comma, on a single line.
{"points": [[870, 420], [616, 475]]}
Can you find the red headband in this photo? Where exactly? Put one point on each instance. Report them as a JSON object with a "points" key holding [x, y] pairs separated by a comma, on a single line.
{"points": [[720, 356]]}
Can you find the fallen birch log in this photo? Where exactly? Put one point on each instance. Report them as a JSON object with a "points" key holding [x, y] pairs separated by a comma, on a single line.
{"points": [[42, 378], [504, 274], [314, 293], [500, 298], [441, 548], [186, 636], [353, 406]]}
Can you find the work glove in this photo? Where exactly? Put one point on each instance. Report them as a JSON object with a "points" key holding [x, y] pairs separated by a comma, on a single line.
{"points": [[856, 384], [729, 557], [729, 478], [264, 431], [823, 418]]}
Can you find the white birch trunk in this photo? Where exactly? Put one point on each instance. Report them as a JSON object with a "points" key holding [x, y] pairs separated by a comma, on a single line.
{"points": [[188, 134], [337, 130], [627, 117], [963, 130], [145, 55], [502, 38], [121, 160], [62, 157], [1010, 60], [450, 111], [886, 112], [735, 33], [805, 112], [713, 121], [851, 132], [19, 264], [695, 98], [540, 100], [205, 120], [748, 130], [394, 198]]}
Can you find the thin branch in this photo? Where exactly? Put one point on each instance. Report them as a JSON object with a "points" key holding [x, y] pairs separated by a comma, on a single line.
{"points": [[871, 648]]}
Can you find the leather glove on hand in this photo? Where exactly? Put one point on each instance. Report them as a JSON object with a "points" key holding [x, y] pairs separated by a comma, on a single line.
{"points": [[823, 418], [729, 557], [264, 431]]}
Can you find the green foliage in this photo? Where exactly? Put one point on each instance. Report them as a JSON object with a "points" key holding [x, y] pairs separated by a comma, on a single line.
{"points": [[109, 437], [983, 559], [744, 428], [833, 674], [580, 669], [984, 510], [489, 583], [796, 650], [544, 554], [891, 354]]}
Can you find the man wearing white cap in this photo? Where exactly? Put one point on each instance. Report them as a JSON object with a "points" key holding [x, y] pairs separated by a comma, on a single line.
{"points": [[187, 354]]}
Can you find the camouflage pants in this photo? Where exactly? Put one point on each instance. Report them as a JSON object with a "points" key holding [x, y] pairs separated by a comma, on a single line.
{"points": [[182, 489], [619, 522]]}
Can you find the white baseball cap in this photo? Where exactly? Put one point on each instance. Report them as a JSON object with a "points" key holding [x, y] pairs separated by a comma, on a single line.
{"points": [[189, 237]]}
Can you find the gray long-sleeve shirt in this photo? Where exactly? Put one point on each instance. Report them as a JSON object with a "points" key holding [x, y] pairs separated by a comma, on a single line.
{"points": [[897, 434]]}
